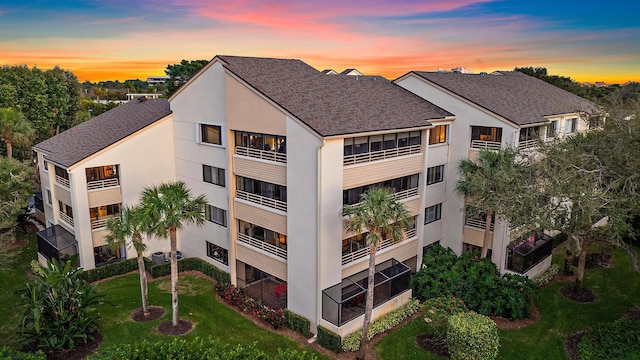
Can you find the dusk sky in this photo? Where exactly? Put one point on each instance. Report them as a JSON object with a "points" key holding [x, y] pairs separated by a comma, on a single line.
{"points": [[115, 39]]}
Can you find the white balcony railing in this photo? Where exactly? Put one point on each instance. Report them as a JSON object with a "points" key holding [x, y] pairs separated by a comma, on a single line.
{"points": [[381, 155], [262, 154], [66, 218], [62, 181], [261, 200], [481, 144], [101, 221], [100, 184], [405, 194], [359, 254], [264, 246], [527, 144], [477, 223]]}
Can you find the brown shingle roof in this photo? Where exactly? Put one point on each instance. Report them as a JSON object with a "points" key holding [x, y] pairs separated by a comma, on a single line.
{"points": [[334, 105], [517, 97], [81, 141]]}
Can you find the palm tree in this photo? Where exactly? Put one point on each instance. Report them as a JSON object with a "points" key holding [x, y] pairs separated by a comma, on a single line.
{"points": [[165, 209], [129, 226], [480, 181], [14, 129], [378, 214]]}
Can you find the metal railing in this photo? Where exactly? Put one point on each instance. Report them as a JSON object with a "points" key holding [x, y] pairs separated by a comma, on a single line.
{"points": [[481, 144], [101, 221], [100, 184], [359, 254], [527, 144], [262, 154], [477, 223], [522, 258], [261, 200], [381, 155], [62, 181], [264, 246], [68, 219]]}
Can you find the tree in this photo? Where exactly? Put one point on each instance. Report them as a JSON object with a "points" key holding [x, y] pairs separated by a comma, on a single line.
{"points": [[482, 182], [129, 227], [16, 186], [59, 308], [165, 209], [380, 215], [181, 73], [14, 129]]}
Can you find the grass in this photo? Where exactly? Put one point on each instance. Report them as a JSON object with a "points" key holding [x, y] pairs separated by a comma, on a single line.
{"points": [[617, 290], [122, 295]]}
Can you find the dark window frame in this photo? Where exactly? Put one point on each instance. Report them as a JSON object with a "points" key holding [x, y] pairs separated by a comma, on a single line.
{"points": [[223, 254], [436, 210], [217, 176], [210, 210], [211, 138], [435, 174]]}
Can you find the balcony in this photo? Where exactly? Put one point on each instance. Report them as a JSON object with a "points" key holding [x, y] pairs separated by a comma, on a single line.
{"points": [[526, 254], [261, 200], [345, 301], [482, 144], [66, 218], [264, 246], [381, 154], [364, 252], [262, 154], [527, 144], [101, 184], [477, 223], [62, 181], [101, 222]]}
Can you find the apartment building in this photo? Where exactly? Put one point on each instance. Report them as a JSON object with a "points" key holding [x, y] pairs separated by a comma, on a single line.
{"points": [[91, 170], [495, 111], [278, 147]]}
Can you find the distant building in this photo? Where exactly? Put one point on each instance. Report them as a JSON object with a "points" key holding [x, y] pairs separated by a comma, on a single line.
{"points": [[157, 79], [148, 96], [351, 71]]}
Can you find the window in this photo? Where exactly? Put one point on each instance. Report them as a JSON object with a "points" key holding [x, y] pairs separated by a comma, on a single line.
{"points": [[102, 172], [211, 134], [438, 135], [216, 215], [552, 129], [45, 165], [218, 253], [266, 142], [352, 196], [65, 209], [571, 125], [481, 135], [574, 125], [262, 188], [62, 173], [432, 213], [213, 175], [435, 174], [49, 197]]}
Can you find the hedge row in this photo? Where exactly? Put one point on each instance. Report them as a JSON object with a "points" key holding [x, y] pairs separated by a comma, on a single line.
{"points": [[236, 297], [297, 323], [8, 353], [329, 340], [206, 349], [158, 270]]}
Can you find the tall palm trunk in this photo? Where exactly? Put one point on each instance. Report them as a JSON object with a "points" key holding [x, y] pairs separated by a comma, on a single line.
{"points": [[143, 284], [368, 310], [582, 260], [487, 234], [174, 276]]}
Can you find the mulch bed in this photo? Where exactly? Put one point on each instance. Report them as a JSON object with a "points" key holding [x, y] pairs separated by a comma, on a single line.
{"points": [[79, 352], [506, 324], [632, 314], [155, 312], [183, 327], [571, 344], [433, 344], [585, 296]]}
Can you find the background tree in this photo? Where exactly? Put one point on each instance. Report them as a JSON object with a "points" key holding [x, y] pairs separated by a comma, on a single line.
{"points": [[181, 73], [482, 181], [165, 209], [16, 186], [14, 129], [126, 229], [380, 215]]}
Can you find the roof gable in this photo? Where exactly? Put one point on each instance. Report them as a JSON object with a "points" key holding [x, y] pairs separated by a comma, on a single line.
{"points": [[86, 139], [515, 96], [333, 105]]}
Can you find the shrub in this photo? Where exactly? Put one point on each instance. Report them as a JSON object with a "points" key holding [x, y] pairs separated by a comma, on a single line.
{"points": [[109, 270], [206, 349], [236, 297], [59, 308], [8, 353], [476, 282], [297, 323], [187, 264], [472, 336], [352, 341], [616, 340], [438, 310], [545, 277], [329, 340]]}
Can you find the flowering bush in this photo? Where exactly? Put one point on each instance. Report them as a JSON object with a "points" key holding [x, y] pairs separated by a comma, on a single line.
{"points": [[236, 297], [545, 277]]}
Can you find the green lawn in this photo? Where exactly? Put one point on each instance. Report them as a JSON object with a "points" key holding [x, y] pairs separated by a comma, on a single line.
{"points": [[122, 295], [617, 290]]}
